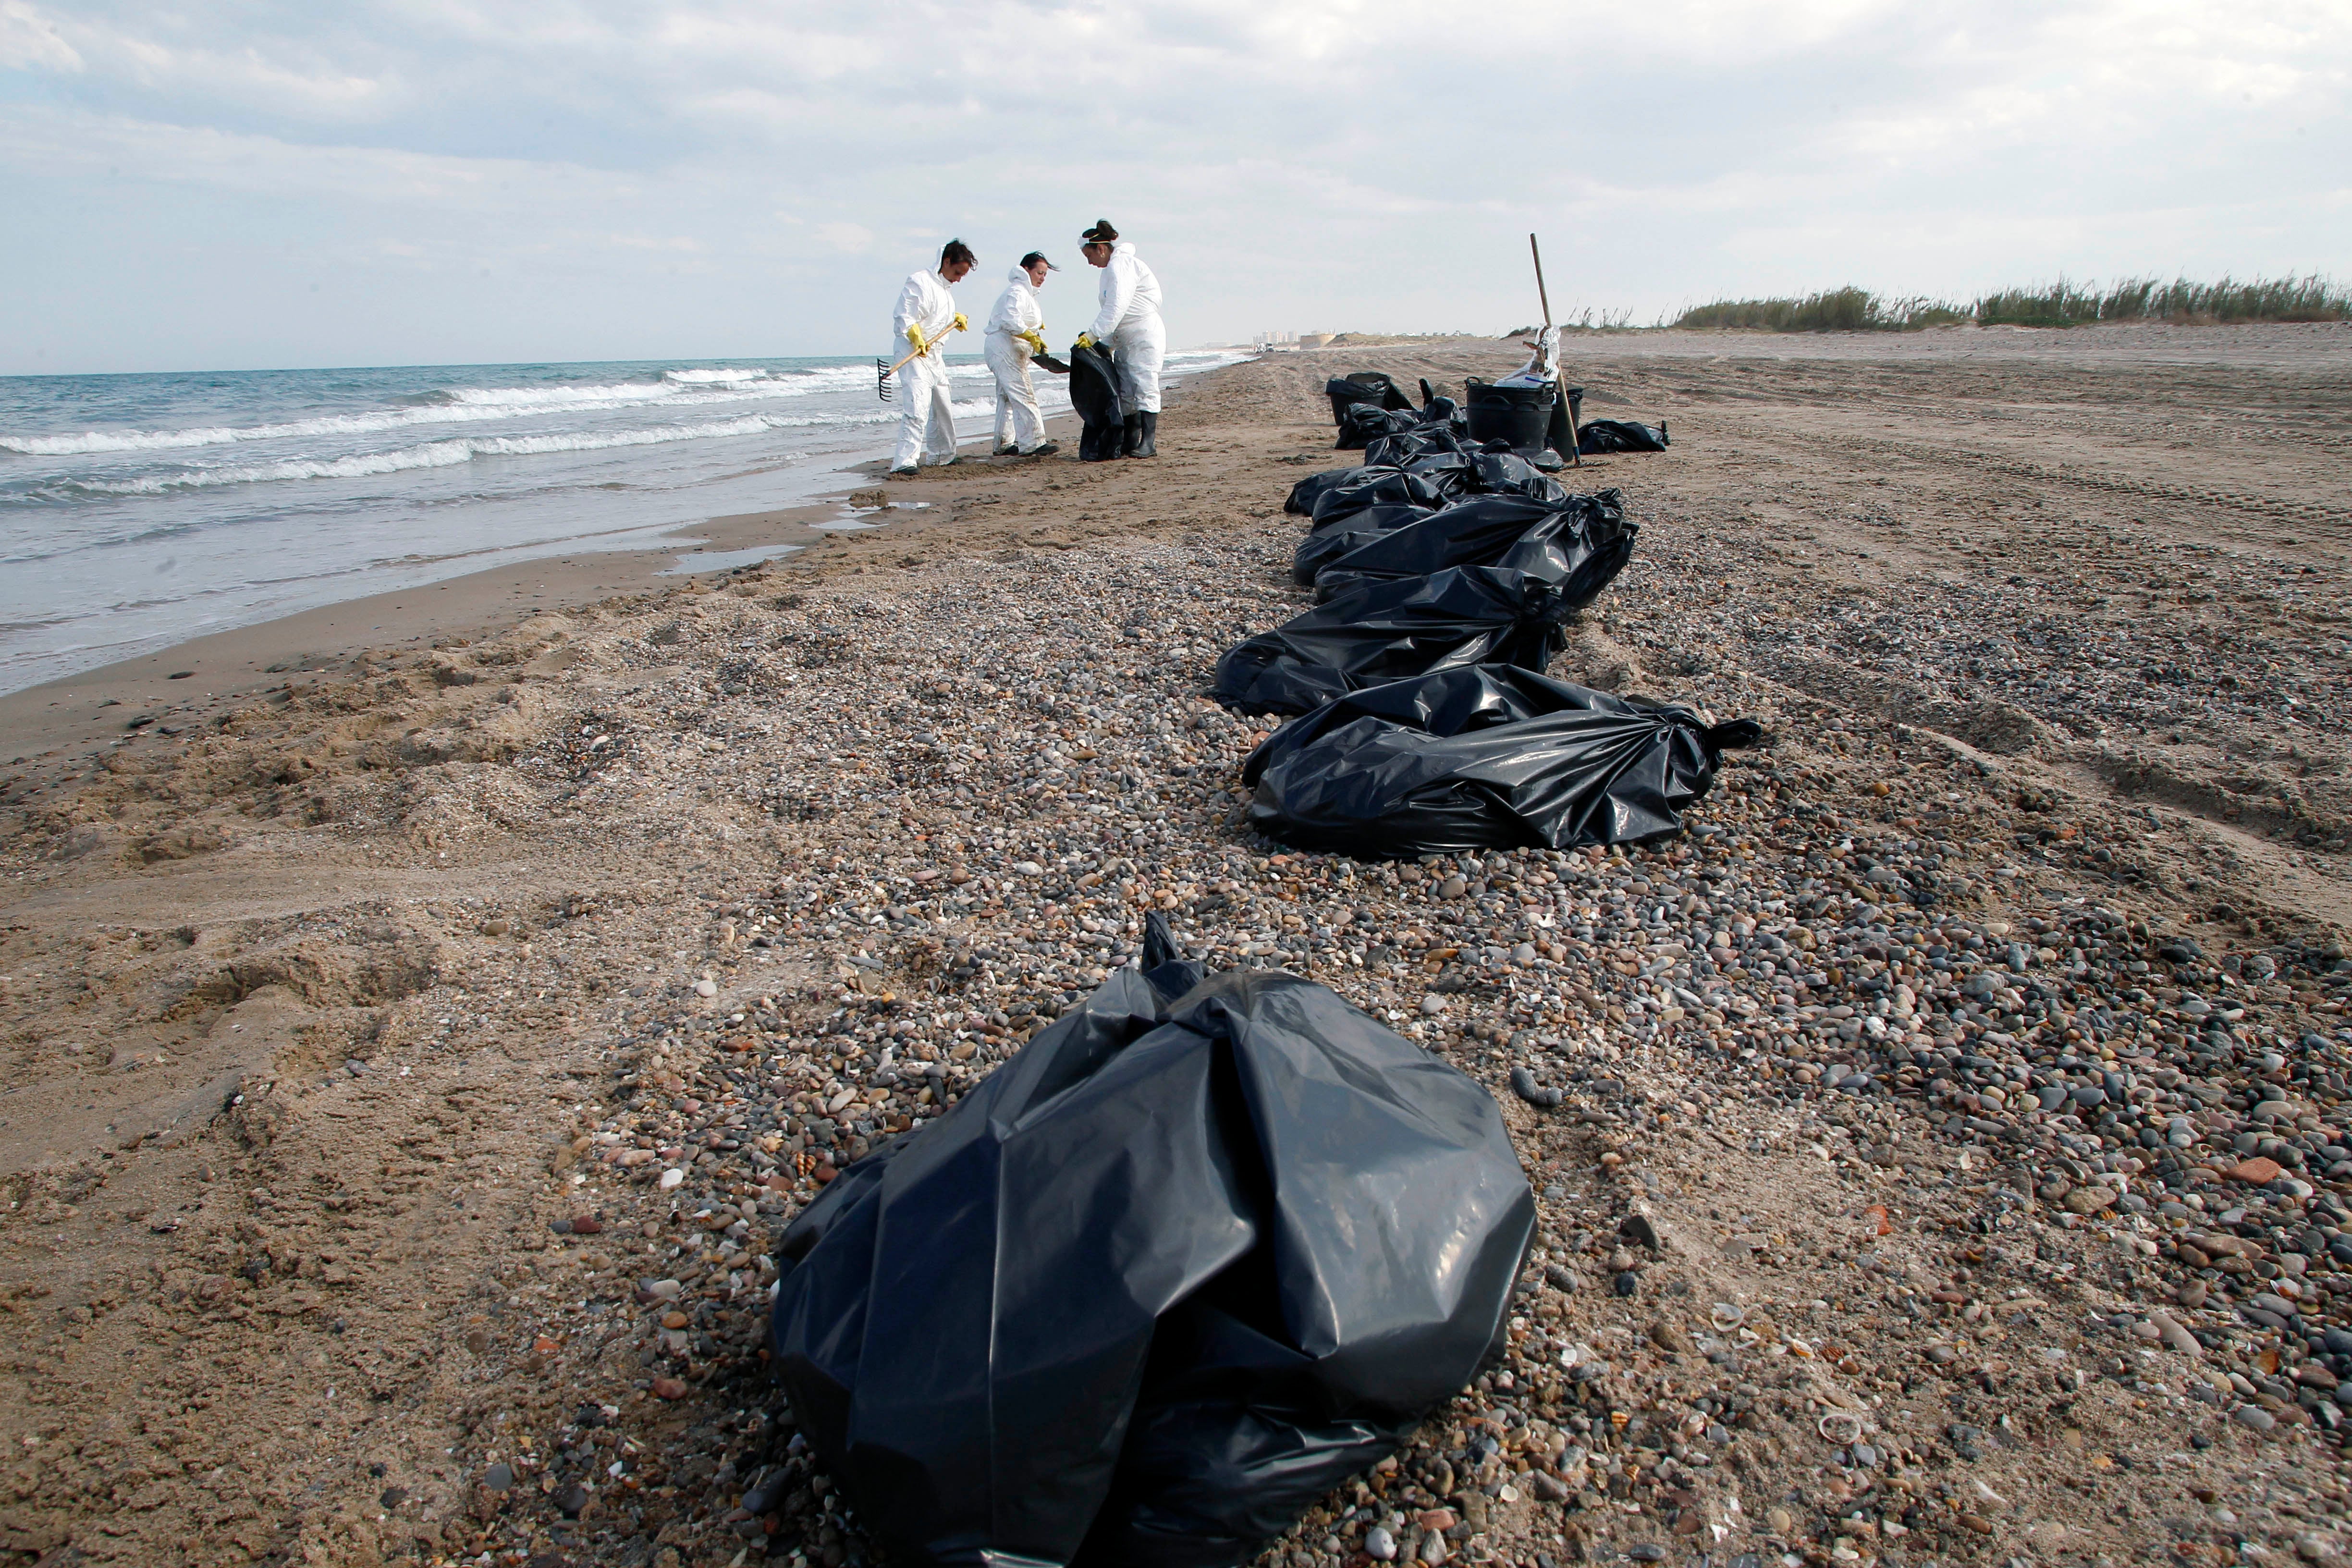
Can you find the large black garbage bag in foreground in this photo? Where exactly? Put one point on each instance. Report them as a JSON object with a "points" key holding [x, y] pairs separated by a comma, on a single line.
{"points": [[1483, 758], [1206, 1247], [1093, 392], [1387, 631], [1598, 435], [1579, 544], [1326, 544]]}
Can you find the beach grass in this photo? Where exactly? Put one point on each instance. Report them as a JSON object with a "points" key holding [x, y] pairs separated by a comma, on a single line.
{"points": [[2058, 304]]}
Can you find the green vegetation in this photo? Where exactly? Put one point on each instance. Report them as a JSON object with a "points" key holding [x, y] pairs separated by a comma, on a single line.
{"points": [[2059, 304], [1847, 310], [2145, 299]]}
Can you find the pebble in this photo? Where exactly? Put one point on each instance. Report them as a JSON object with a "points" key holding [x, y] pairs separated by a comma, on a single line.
{"points": [[1523, 1084], [1818, 955]]}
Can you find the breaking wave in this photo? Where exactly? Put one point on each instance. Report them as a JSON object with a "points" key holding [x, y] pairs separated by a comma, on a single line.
{"points": [[448, 453], [463, 405]]}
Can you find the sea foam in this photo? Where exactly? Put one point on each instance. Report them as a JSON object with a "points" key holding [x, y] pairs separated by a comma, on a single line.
{"points": [[458, 405], [463, 449]]}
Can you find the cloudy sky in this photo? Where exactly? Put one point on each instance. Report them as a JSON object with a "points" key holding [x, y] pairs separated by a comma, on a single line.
{"points": [[222, 184]]}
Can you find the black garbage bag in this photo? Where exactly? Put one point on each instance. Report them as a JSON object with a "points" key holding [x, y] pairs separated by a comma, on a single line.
{"points": [[1619, 436], [1373, 386], [1421, 441], [1376, 486], [1484, 758], [1324, 545], [1093, 392], [1387, 631], [1307, 491], [1207, 1246], [1579, 544], [1362, 422], [1507, 473]]}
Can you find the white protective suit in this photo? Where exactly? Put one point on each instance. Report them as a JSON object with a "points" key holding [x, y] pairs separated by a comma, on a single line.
{"points": [[1129, 327], [1018, 423], [926, 421]]}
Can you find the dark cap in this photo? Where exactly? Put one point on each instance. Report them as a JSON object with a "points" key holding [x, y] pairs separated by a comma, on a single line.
{"points": [[1035, 256]]}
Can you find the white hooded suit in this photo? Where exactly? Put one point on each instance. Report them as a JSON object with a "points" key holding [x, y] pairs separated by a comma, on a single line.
{"points": [[1129, 326], [1018, 423], [926, 420]]}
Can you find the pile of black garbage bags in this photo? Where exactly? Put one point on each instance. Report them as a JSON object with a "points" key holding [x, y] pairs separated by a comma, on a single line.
{"points": [[1208, 1245], [1211, 1244], [1446, 571]]}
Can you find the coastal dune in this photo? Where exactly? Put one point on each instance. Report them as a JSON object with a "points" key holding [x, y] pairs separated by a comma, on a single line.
{"points": [[412, 1048]]}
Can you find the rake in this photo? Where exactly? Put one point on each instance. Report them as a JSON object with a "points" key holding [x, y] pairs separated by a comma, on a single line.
{"points": [[883, 373]]}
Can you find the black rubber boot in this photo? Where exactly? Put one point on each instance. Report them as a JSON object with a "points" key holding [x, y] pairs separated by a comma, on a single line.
{"points": [[1133, 437], [1143, 435]]}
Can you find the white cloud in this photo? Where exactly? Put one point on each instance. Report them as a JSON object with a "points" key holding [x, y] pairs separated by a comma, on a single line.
{"points": [[30, 41], [1353, 160]]}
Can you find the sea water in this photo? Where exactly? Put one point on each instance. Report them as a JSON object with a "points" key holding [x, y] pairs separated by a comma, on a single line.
{"points": [[140, 510]]}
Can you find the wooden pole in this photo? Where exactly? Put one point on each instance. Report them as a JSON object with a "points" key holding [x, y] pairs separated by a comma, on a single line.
{"points": [[1575, 441]]}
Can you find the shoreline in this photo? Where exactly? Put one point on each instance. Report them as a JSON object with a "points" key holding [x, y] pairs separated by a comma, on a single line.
{"points": [[46, 725]]}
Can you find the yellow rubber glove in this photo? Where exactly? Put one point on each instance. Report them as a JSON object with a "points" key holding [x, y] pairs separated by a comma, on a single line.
{"points": [[1085, 340], [914, 336], [960, 322], [1036, 342]]}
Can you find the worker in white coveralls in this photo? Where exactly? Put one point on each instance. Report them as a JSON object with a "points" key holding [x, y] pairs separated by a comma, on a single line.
{"points": [[925, 317], [1016, 331], [1128, 327]]}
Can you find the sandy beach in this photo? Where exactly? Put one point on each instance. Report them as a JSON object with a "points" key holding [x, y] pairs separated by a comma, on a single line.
{"points": [[422, 1014]]}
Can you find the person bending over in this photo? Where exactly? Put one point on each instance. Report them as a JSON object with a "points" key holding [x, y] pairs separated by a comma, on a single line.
{"points": [[1127, 327], [1016, 331], [925, 317]]}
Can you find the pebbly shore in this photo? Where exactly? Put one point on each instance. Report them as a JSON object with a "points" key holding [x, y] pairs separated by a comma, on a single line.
{"points": [[1941, 1147]]}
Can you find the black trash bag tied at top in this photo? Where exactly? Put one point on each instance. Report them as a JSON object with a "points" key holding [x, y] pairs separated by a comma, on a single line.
{"points": [[1483, 758], [1578, 544], [1206, 1247], [1595, 436], [1093, 394], [1326, 544], [1388, 631]]}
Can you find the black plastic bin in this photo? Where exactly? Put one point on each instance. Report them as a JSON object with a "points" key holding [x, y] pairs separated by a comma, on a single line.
{"points": [[1519, 414]]}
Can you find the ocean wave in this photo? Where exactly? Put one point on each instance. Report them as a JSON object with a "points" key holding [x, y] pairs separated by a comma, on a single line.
{"points": [[463, 449], [463, 405], [721, 376]]}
